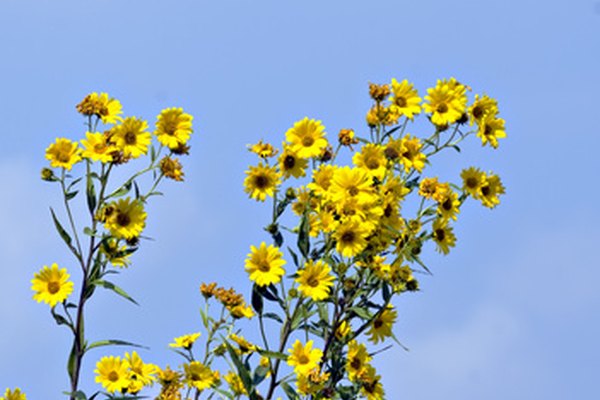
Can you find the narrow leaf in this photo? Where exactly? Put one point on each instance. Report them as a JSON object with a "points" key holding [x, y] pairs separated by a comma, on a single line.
{"points": [[91, 195], [113, 342], [61, 231], [257, 300], [114, 288]]}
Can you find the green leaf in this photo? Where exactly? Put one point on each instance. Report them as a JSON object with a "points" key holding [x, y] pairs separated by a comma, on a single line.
{"points": [[289, 391], [294, 256], [75, 182], [323, 312], [91, 195], [61, 231], [88, 231], [260, 373], [113, 342], [241, 368], [273, 354], [361, 312], [274, 317], [71, 195], [71, 361], [114, 288], [386, 292], [257, 300], [60, 320], [303, 236]]}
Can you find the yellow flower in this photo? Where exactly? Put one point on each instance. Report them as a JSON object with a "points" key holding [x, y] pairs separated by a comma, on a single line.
{"points": [[244, 345], [131, 137], [112, 373], [127, 219], [200, 376], [411, 156], [264, 150], [304, 358], [307, 137], [448, 204], [117, 255], [380, 115], [428, 187], [185, 341], [343, 330], [473, 180], [351, 183], [265, 264], [371, 384], [357, 360], [15, 394], [235, 384], [446, 102], [261, 181], [350, 237], [490, 130], [290, 164], [173, 127], [97, 147], [371, 158], [346, 137], [140, 374], [381, 327], [315, 280], [312, 382], [63, 153], [51, 285], [101, 105], [482, 107], [171, 168], [405, 99], [443, 236], [241, 311], [490, 190]]}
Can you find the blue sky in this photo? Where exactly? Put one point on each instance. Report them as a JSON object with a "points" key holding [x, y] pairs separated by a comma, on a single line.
{"points": [[511, 313]]}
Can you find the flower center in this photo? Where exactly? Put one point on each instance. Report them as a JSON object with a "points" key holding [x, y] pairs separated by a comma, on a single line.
{"points": [[391, 153], [303, 359], [123, 219], [377, 323], [130, 138], [348, 237], [442, 108], [261, 181], [352, 191], [447, 205], [372, 164], [53, 287], [440, 234], [312, 281], [485, 190], [471, 182], [264, 266], [401, 102], [113, 376], [289, 161], [63, 156], [308, 141], [477, 112], [355, 363], [100, 147]]}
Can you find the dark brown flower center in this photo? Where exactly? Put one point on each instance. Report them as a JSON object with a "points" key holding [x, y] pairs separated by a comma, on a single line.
{"points": [[401, 102], [485, 190], [372, 164], [440, 234], [378, 323], [53, 287], [348, 237], [261, 181], [477, 112], [303, 359], [123, 219], [391, 153], [130, 138], [113, 376], [312, 281], [355, 363], [447, 205], [442, 108], [264, 266], [308, 141], [471, 182], [353, 190], [289, 162]]}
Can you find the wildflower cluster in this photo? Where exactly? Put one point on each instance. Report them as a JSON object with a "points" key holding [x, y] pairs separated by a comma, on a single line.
{"points": [[117, 219]]}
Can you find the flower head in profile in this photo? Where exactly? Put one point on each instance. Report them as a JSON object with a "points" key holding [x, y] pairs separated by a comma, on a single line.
{"points": [[263, 150], [97, 147], [490, 190], [171, 168], [404, 99], [13, 394], [357, 361], [307, 138], [371, 388], [200, 376], [481, 108], [490, 130], [141, 374], [303, 357], [235, 384], [446, 102], [315, 280], [265, 264], [102, 106], [185, 341], [63, 153], [261, 181], [132, 137], [112, 373], [127, 218], [173, 127], [411, 155], [381, 327], [51, 285]]}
